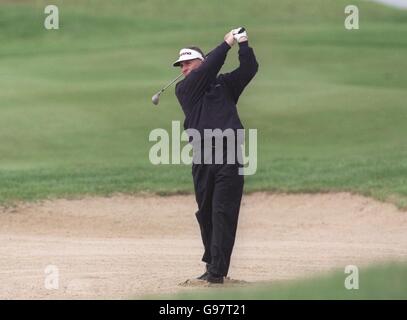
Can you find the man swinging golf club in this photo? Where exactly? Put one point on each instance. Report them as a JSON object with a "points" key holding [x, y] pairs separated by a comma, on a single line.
{"points": [[209, 102]]}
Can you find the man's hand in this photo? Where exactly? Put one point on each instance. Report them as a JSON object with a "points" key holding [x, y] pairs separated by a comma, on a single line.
{"points": [[229, 38], [240, 34]]}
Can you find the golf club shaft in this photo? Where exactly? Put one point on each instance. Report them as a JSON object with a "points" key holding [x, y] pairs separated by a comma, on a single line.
{"points": [[171, 82]]}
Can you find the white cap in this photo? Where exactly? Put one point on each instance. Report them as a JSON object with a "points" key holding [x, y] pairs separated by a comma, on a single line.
{"points": [[188, 54]]}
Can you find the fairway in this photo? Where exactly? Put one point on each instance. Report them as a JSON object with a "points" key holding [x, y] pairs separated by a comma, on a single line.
{"points": [[77, 188], [75, 112]]}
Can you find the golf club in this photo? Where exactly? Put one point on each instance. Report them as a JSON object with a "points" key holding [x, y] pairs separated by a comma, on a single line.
{"points": [[156, 98]]}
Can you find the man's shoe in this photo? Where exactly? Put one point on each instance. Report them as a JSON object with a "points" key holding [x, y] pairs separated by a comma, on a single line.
{"points": [[211, 278], [203, 276]]}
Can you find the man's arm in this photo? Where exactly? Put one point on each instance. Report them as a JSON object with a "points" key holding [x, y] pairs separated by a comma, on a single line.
{"points": [[194, 85], [238, 79]]}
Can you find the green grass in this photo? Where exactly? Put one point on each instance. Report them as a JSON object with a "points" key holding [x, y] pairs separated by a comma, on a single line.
{"points": [[382, 282], [75, 109]]}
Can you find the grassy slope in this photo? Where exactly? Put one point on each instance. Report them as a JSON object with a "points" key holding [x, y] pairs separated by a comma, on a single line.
{"points": [[378, 282], [75, 110]]}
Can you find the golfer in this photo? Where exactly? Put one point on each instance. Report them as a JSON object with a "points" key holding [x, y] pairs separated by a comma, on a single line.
{"points": [[208, 101]]}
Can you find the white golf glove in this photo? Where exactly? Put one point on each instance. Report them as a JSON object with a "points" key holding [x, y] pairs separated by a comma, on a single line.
{"points": [[239, 33]]}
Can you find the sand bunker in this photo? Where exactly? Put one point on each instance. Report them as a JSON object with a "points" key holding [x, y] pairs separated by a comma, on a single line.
{"points": [[130, 246]]}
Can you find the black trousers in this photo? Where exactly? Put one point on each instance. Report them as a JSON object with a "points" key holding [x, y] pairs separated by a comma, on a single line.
{"points": [[218, 192]]}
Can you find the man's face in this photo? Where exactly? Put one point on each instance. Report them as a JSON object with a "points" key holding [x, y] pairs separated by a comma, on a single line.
{"points": [[189, 65]]}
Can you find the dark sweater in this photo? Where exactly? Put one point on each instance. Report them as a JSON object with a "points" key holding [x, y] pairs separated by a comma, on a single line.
{"points": [[208, 100]]}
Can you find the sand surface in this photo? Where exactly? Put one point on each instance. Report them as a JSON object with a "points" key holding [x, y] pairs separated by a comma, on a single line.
{"points": [[129, 246]]}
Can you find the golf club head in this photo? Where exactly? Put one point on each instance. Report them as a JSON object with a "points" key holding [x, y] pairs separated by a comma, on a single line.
{"points": [[156, 98]]}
